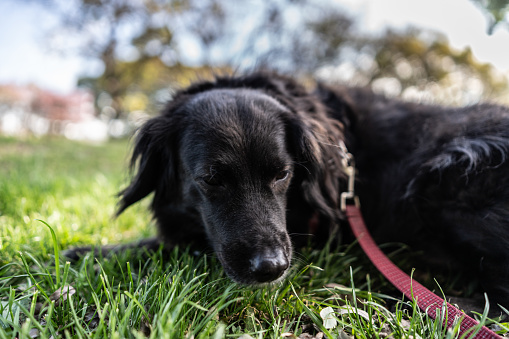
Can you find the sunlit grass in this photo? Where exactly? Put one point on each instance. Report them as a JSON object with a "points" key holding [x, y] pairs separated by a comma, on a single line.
{"points": [[72, 188], [69, 185]]}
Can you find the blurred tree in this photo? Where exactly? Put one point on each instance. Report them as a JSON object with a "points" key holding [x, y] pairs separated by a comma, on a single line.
{"points": [[496, 11], [295, 36], [317, 38], [148, 46], [147, 84], [116, 31], [310, 37], [422, 65]]}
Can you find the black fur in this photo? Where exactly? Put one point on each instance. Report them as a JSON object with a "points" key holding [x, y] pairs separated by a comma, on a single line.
{"points": [[246, 162]]}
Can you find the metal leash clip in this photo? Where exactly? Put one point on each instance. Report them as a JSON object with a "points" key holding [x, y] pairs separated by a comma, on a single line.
{"points": [[349, 168]]}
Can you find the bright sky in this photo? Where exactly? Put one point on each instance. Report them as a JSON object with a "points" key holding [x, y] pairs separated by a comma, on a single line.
{"points": [[26, 58]]}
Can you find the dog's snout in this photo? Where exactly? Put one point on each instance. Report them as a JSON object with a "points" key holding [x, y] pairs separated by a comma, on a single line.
{"points": [[269, 265]]}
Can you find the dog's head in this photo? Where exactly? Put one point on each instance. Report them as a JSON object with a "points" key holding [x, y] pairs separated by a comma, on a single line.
{"points": [[229, 156]]}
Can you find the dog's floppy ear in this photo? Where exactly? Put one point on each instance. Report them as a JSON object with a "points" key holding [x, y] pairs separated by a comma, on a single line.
{"points": [[154, 160], [317, 161]]}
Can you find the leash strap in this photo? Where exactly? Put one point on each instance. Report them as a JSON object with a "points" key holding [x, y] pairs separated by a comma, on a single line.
{"points": [[426, 300]]}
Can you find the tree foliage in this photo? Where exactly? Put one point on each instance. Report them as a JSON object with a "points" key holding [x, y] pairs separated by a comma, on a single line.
{"points": [[422, 65], [116, 32], [496, 12], [150, 46]]}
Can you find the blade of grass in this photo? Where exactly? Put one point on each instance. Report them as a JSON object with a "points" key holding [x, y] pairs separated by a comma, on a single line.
{"points": [[55, 250]]}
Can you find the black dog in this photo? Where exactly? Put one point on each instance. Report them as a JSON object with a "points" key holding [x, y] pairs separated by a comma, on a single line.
{"points": [[246, 162]]}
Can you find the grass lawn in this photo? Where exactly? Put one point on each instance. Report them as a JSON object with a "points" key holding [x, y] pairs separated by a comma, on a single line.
{"points": [[71, 187]]}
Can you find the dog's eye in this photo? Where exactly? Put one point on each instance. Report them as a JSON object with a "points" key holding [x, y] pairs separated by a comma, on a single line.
{"points": [[212, 180], [282, 175]]}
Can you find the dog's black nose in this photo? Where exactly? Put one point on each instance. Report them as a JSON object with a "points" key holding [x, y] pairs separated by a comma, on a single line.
{"points": [[269, 265]]}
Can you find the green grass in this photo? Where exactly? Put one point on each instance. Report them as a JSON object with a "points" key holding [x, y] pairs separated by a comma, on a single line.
{"points": [[71, 188]]}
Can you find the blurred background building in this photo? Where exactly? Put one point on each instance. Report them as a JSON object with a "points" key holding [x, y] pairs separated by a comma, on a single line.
{"points": [[96, 69]]}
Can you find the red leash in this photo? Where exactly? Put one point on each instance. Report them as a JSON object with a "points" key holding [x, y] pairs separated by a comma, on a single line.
{"points": [[426, 300]]}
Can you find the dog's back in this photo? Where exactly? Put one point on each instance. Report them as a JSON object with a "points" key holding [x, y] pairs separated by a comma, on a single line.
{"points": [[434, 177]]}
